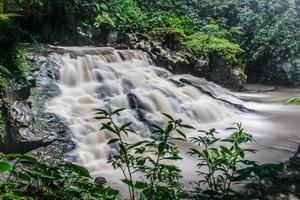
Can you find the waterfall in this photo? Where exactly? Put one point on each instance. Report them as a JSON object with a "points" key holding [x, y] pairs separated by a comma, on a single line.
{"points": [[110, 79], [91, 78]]}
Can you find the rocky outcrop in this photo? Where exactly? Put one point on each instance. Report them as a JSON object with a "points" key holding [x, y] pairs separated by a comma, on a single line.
{"points": [[184, 61], [28, 126]]}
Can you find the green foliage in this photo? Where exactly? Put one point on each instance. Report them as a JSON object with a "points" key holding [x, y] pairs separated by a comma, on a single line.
{"points": [[169, 20], [222, 162], [271, 35], [205, 43], [26, 178], [13, 65], [148, 167], [268, 30], [223, 158], [149, 158], [104, 20], [293, 101], [122, 15], [178, 7]]}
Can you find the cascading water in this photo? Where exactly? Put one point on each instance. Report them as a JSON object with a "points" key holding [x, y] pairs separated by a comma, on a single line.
{"points": [[109, 79]]}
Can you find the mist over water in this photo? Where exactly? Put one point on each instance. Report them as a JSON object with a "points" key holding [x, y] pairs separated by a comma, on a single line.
{"points": [[111, 79]]}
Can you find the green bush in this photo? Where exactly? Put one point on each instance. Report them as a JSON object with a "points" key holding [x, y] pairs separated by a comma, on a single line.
{"points": [[223, 162], [123, 15], [205, 44], [149, 158], [169, 20]]}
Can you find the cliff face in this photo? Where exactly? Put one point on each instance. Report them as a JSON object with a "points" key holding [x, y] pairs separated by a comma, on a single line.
{"points": [[25, 124]]}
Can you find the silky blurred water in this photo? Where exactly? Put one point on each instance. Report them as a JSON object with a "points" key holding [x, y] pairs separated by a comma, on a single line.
{"points": [[110, 79]]}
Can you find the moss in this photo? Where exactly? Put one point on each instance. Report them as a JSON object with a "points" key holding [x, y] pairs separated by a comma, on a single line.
{"points": [[204, 44]]}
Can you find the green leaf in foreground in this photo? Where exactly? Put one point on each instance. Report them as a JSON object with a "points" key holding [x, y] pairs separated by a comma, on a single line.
{"points": [[79, 170], [4, 166]]}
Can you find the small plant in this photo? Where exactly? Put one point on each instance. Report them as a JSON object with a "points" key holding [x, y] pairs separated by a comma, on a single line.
{"points": [[293, 101], [27, 178], [219, 164], [149, 158]]}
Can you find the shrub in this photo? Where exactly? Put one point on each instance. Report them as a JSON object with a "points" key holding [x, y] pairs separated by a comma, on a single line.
{"points": [[149, 158], [127, 16], [105, 20], [223, 158], [205, 44], [169, 20]]}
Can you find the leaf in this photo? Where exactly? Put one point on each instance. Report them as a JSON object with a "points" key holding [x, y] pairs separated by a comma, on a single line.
{"points": [[125, 125], [101, 111], [140, 185], [161, 147], [187, 126], [169, 128], [173, 158], [181, 133], [195, 151], [122, 148], [225, 150], [81, 171], [28, 158], [4, 166], [11, 156], [177, 138], [100, 117], [128, 182], [293, 101], [107, 127], [117, 111], [112, 140], [168, 116], [136, 144]]}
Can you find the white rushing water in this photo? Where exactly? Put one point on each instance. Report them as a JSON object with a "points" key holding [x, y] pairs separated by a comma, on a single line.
{"points": [[110, 79]]}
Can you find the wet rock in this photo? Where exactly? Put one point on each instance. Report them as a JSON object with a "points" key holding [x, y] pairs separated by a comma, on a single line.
{"points": [[100, 180]]}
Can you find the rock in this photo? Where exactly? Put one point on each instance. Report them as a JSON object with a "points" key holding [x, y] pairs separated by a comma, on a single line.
{"points": [[184, 61], [100, 180]]}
